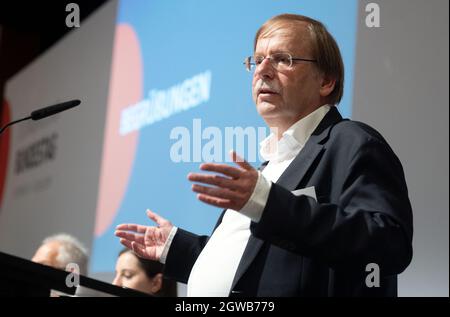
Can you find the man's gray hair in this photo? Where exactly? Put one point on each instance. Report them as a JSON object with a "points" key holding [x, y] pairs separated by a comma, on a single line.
{"points": [[71, 250]]}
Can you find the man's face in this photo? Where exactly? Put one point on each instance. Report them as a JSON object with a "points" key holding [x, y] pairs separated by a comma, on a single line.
{"points": [[285, 96]]}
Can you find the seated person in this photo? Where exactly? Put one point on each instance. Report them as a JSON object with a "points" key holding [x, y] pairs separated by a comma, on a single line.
{"points": [[143, 275], [60, 250]]}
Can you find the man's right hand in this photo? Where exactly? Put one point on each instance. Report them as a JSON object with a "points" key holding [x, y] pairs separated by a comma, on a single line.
{"points": [[146, 241]]}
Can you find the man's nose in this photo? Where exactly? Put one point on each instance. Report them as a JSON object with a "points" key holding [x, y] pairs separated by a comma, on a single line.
{"points": [[265, 69]]}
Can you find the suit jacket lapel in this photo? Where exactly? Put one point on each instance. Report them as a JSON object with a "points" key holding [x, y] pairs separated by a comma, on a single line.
{"points": [[290, 178], [296, 171]]}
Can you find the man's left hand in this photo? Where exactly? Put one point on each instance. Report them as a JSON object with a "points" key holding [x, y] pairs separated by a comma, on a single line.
{"points": [[232, 189]]}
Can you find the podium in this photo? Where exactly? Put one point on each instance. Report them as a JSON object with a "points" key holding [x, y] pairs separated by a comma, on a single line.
{"points": [[23, 278]]}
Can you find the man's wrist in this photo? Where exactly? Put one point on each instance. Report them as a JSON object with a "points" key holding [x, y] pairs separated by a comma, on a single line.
{"points": [[169, 240], [257, 201]]}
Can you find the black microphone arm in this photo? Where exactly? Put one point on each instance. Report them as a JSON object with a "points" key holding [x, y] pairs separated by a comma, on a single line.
{"points": [[45, 112]]}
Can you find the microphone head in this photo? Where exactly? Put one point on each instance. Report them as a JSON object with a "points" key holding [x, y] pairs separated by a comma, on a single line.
{"points": [[51, 110]]}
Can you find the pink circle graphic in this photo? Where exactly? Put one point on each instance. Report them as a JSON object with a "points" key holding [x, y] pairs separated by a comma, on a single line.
{"points": [[119, 150]]}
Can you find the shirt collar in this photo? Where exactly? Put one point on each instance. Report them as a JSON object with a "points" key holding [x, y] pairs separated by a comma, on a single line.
{"points": [[293, 139]]}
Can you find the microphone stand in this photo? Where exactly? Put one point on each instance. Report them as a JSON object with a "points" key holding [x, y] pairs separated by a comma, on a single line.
{"points": [[13, 122], [45, 112]]}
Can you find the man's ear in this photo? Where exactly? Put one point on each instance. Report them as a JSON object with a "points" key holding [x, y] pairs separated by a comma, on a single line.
{"points": [[327, 87], [156, 285]]}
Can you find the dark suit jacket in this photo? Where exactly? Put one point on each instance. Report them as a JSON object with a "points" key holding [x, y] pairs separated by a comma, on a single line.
{"points": [[302, 247]]}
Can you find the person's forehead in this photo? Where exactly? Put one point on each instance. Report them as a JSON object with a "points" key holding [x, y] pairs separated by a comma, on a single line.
{"points": [[51, 247], [293, 39], [47, 252], [128, 260]]}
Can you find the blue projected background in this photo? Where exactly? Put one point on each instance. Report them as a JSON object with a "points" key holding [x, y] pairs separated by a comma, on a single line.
{"points": [[195, 47]]}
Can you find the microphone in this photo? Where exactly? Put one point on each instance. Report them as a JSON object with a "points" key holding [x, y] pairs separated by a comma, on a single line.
{"points": [[46, 112], [51, 110]]}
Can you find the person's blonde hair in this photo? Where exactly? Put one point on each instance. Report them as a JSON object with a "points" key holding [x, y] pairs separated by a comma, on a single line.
{"points": [[324, 47]]}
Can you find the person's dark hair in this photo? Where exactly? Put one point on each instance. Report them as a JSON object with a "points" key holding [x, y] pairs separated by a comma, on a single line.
{"points": [[151, 268]]}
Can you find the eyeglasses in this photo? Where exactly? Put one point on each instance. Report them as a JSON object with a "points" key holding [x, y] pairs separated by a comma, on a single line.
{"points": [[279, 61]]}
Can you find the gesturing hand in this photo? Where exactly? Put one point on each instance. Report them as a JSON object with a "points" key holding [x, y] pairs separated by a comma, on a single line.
{"points": [[146, 241], [232, 191]]}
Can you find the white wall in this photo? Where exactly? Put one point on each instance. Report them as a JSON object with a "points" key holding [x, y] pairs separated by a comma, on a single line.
{"points": [[401, 88]]}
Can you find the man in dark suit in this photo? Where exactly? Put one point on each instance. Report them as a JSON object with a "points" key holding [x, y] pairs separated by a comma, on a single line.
{"points": [[329, 206]]}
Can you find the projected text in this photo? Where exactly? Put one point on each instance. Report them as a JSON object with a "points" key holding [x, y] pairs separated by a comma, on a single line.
{"points": [[162, 104]]}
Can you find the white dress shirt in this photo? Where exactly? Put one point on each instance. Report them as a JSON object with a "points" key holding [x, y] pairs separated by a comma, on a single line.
{"points": [[216, 266]]}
